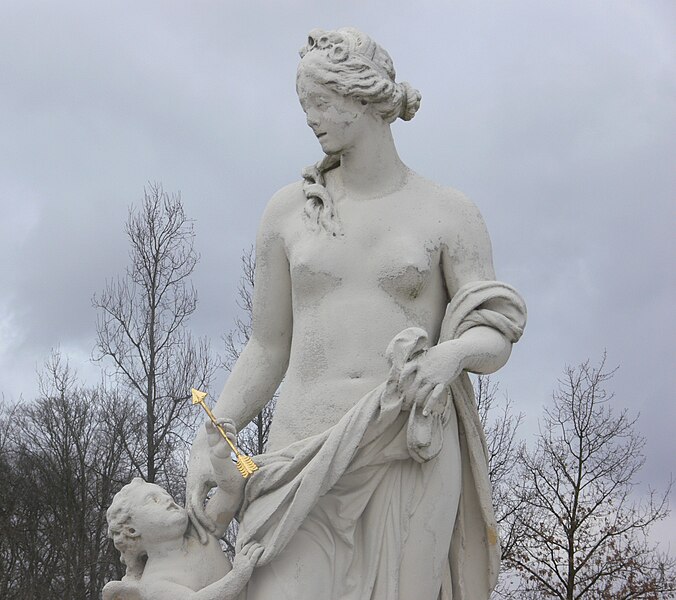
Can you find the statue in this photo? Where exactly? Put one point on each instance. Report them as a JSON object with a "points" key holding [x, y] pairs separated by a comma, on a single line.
{"points": [[374, 295], [164, 557]]}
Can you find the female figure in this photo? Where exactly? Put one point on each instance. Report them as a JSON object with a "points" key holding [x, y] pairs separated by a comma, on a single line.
{"points": [[370, 457]]}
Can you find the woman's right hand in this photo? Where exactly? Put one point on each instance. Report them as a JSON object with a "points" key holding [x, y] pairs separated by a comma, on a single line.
{"points": [[199, 481]]}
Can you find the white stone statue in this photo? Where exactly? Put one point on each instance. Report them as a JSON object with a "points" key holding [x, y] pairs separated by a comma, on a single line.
{"points": [[374, 294], [165, 558]]}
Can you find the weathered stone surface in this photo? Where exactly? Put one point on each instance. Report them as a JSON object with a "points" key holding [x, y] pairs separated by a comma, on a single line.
{"points": [[374, 295]]}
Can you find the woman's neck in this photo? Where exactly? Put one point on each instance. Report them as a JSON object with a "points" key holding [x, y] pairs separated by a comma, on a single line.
{"points": [[372, 167]]}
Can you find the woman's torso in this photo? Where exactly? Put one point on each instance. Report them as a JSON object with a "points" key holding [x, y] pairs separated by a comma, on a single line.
{"points": [[352, 293]]}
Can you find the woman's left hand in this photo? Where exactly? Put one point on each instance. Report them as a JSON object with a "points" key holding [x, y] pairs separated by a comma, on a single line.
{"points": [[424, 380]]}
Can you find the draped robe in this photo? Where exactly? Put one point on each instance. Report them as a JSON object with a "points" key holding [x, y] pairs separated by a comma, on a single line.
{"points": [[359, 482]]}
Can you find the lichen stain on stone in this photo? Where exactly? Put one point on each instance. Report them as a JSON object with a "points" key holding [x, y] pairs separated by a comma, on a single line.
{"points": [[406, 281], [310, 285], [492, 536]]}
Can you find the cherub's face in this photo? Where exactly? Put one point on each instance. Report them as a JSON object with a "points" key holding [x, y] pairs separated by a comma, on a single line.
{"points": [[156, 516]]}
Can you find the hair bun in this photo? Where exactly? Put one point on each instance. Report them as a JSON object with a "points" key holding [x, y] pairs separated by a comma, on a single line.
{"points": [[410, 102]]}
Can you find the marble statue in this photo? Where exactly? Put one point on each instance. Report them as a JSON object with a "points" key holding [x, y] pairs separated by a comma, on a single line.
{"points": [[164, 557], [374, 295]]}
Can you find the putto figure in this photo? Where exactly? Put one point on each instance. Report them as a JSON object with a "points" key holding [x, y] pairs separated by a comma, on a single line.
{"points": [[164, 557], [374, 295]]}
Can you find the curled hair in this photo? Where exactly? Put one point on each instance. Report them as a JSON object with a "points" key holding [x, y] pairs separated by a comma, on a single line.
{"points": [[320, 211], [126, 539], [351, 64]]}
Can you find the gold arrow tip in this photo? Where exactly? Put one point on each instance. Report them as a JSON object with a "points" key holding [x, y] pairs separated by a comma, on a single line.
{"points": [[197, 396]]}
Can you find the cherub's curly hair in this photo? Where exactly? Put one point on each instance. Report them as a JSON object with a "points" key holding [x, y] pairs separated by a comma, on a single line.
{"points": [[350, 63], [125, 538]]}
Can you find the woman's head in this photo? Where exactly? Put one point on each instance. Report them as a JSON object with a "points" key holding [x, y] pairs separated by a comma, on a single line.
{"points": [[140, 515], [343, 78], [351, 64]]}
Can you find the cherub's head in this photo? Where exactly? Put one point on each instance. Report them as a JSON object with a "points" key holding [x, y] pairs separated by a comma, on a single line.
{"points": [[140, 516]]}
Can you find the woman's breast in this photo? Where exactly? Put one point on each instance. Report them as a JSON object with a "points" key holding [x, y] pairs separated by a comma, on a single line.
{"points": [[399, 265]]}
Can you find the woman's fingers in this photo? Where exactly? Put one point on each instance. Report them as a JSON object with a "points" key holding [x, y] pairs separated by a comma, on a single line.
{"points": [[252, 550], [436, 401], [257, 551], [227, 424], [245, 549], [214, 437], [422, 394]]}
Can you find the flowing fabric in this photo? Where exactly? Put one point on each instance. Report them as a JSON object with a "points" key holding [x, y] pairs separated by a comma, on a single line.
{"points": [[360, 481]]}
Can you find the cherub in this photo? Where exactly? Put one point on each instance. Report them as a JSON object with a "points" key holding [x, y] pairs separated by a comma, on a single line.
{"points": [[165, 558]]}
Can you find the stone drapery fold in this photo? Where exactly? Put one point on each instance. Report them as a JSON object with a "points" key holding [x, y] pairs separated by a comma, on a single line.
{"points": [[362, 447]]}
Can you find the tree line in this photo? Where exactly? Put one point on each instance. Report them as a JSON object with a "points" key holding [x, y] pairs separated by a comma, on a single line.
{"points": [[573, 524]]}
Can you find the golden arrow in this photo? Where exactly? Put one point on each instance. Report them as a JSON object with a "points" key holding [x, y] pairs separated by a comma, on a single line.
{"points": [[245, 465]]}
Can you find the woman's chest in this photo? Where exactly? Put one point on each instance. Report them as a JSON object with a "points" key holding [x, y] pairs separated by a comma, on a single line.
{"points": [[375, 256]]}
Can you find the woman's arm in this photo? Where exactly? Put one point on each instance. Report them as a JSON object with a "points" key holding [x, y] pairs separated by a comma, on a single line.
{"points": [[466, 257], [262, 364]]}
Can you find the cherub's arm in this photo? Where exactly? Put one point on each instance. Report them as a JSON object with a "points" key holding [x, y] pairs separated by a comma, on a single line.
{"points": [[227, 499], [226, 588]]}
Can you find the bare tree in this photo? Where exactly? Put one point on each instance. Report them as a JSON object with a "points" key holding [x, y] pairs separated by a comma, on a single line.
{"points": [[500, 425], [142, 330], [586, 534], [61, 466]]}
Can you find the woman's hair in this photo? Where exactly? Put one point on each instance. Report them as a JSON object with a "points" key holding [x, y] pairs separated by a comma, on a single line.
{"points": [[351, 64], [125, 537]]}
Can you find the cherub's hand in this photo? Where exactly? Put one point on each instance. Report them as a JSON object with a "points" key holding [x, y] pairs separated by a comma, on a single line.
{"points": [[122, 590], [218, 446], [247, 558], [227, 476], [199, 481]]}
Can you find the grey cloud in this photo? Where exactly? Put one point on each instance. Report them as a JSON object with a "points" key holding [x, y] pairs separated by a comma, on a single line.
{"points": [[557, 118]]}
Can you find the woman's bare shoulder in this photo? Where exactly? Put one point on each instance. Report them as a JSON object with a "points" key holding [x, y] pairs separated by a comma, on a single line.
{"points": [[284, 203], [463, 235], [288, 198], [451, 207]]}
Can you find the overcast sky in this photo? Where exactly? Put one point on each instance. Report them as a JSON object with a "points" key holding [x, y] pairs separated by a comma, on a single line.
{"points": [[557, 118]]}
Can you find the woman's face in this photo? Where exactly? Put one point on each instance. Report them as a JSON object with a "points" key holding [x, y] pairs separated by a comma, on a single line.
{"points": [[336, 120]]}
